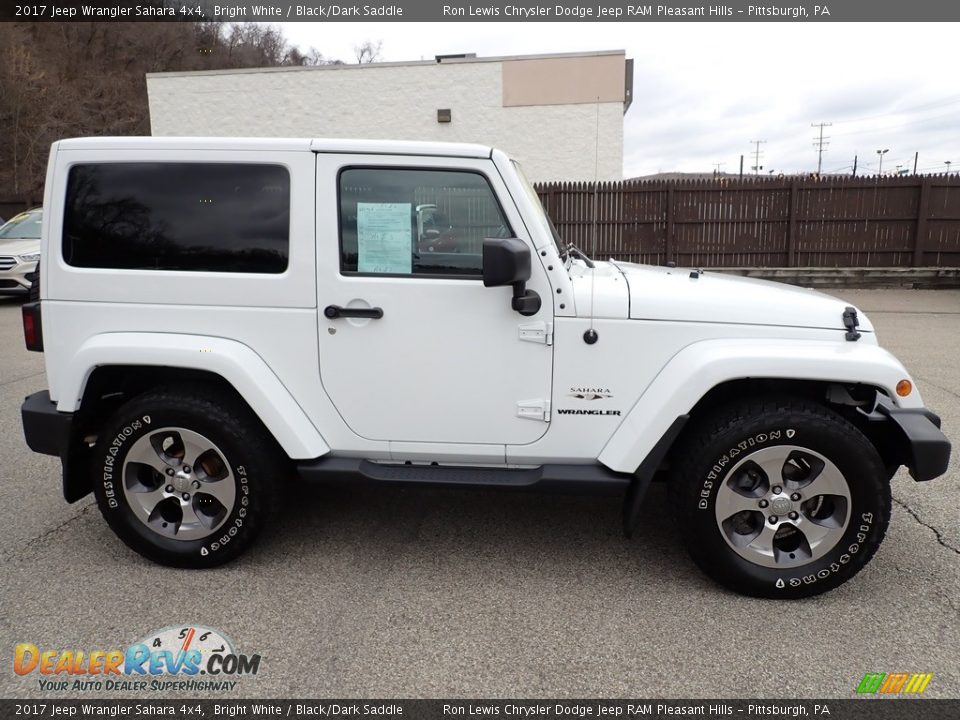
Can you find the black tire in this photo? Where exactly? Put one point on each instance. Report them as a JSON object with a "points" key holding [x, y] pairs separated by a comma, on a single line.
{"points": [[716, 455], [244, 453]]}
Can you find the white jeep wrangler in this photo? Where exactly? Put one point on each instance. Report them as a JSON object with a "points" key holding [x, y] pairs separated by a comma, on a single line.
{"points": [[220, 314]]}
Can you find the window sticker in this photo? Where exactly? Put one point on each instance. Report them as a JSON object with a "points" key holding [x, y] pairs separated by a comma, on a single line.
{"points": [[385, 238]]}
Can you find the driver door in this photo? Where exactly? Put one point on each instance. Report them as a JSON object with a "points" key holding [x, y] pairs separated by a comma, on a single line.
{"points": [[439, 359]]}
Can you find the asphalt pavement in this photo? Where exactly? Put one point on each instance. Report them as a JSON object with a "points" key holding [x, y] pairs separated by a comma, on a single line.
{"points": [[397, 592]]}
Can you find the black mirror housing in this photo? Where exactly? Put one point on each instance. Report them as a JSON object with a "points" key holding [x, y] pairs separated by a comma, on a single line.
{"points": [[506, 261]]}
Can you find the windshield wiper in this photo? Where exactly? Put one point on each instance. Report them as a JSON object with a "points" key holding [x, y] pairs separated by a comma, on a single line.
{"points": [[572, 250]]}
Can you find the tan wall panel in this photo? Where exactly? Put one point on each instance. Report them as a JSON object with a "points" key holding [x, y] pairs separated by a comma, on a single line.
{"points": [[563, 81]]}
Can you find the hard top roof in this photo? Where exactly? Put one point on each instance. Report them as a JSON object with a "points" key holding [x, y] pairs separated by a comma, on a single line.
{"points": [[324, 145]]}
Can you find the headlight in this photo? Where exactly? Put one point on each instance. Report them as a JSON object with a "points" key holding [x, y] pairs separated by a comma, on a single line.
{"points": [[29, 257]]}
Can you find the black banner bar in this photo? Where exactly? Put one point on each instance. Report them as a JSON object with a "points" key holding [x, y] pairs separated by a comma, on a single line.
{"points": [[874, 708], [478, 10]]}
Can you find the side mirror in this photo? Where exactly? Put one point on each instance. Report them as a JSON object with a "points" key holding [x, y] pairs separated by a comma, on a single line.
{"points": [[506, 261]]}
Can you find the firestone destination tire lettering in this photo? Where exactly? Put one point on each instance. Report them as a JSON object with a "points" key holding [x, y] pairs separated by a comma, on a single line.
{"points": [[186, 478]]}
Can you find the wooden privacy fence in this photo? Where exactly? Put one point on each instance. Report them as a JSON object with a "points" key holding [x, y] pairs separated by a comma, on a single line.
{"points": [[909, 221], [833, 221]]}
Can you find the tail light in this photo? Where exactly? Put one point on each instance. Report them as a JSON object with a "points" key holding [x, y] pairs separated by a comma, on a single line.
{"points": [[32, 327]]}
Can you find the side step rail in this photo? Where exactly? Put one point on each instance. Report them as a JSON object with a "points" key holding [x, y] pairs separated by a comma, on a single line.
{"points": [[546, 478]]}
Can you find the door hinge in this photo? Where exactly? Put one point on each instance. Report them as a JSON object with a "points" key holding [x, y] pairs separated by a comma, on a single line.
{"points": [[537, 332], [534, 410]]}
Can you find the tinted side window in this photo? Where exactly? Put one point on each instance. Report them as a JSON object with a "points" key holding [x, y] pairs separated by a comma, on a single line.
{"points": [[227, 217], [416, 222]]}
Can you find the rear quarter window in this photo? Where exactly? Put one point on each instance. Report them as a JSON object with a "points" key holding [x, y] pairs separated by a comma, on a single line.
{"points": [[219, 217]]}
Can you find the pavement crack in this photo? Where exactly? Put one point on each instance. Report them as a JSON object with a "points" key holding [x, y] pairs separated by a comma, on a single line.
{"points": [[912, 312], [937, 387], [25, 377], [936, 531], [11, 554]]}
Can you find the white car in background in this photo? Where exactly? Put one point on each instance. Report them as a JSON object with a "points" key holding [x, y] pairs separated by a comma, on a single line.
{"points": [[19, 251]]}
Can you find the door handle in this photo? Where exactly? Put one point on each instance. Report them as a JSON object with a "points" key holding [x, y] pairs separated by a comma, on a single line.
{"points": [[333, 312]]}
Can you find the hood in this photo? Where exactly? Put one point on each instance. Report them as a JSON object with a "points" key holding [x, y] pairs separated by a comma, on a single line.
{"points": [[663, 293], [600, 292], [19, 247]]}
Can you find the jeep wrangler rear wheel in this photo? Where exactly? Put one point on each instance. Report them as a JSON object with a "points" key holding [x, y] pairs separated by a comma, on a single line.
{"points": [[780, 498], [185, 479]]}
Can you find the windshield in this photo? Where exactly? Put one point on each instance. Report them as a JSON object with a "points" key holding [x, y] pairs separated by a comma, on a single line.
{"points": [[541, 215], [25, 226]]}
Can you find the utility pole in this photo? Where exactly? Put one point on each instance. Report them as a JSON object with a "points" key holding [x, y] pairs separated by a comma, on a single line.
{"points": [[757, 167], [854, 166], [947, 163], [741, 167], [820, 143], [916, 156], [716, 167]]}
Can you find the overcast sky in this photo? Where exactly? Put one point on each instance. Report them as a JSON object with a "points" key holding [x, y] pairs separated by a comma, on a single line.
{"points": [[703, 91]]}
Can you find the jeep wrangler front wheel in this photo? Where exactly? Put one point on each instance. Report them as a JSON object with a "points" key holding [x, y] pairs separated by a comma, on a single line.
{"points": [[183, 479], [780, 498]]}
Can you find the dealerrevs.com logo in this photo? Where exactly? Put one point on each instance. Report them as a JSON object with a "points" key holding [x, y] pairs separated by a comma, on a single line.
{"points": [[187, 658]]}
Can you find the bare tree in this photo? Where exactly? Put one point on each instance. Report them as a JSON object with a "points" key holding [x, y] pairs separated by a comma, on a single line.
{"points": [[62, 80], [368, 51], [312, 57]]}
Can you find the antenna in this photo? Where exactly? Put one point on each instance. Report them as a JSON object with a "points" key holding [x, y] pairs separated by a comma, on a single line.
{"points": [[590, 336], [596, 182]]}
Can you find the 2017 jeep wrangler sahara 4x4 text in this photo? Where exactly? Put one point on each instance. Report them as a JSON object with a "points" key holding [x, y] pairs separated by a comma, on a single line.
{"points": [[219, 315]]}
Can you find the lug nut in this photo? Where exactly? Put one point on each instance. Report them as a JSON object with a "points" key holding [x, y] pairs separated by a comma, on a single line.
{"points": [[795, 497], [763, 503], [169, 488], [195, 484], [793, 515], [186, 496], [774, 519], [169, 471], [186, 469], [777, 489]]}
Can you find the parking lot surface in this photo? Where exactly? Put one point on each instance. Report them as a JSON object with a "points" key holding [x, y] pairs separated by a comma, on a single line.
{"points": [[395, 592]]}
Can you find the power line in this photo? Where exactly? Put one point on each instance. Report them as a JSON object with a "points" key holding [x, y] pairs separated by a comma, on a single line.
{"points": [[820, 144], [883, 128], [953, 100], [848, 166], [941, 166]]}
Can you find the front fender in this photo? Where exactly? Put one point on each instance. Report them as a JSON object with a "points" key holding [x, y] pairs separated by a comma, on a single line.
{"points": [[701, 366], [235, 362]]}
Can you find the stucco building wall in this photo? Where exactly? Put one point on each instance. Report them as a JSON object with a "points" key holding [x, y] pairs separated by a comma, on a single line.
{"points": [[543, 110]]}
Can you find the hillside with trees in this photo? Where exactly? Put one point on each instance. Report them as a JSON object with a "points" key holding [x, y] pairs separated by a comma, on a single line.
{"points": [[62, 80]]}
